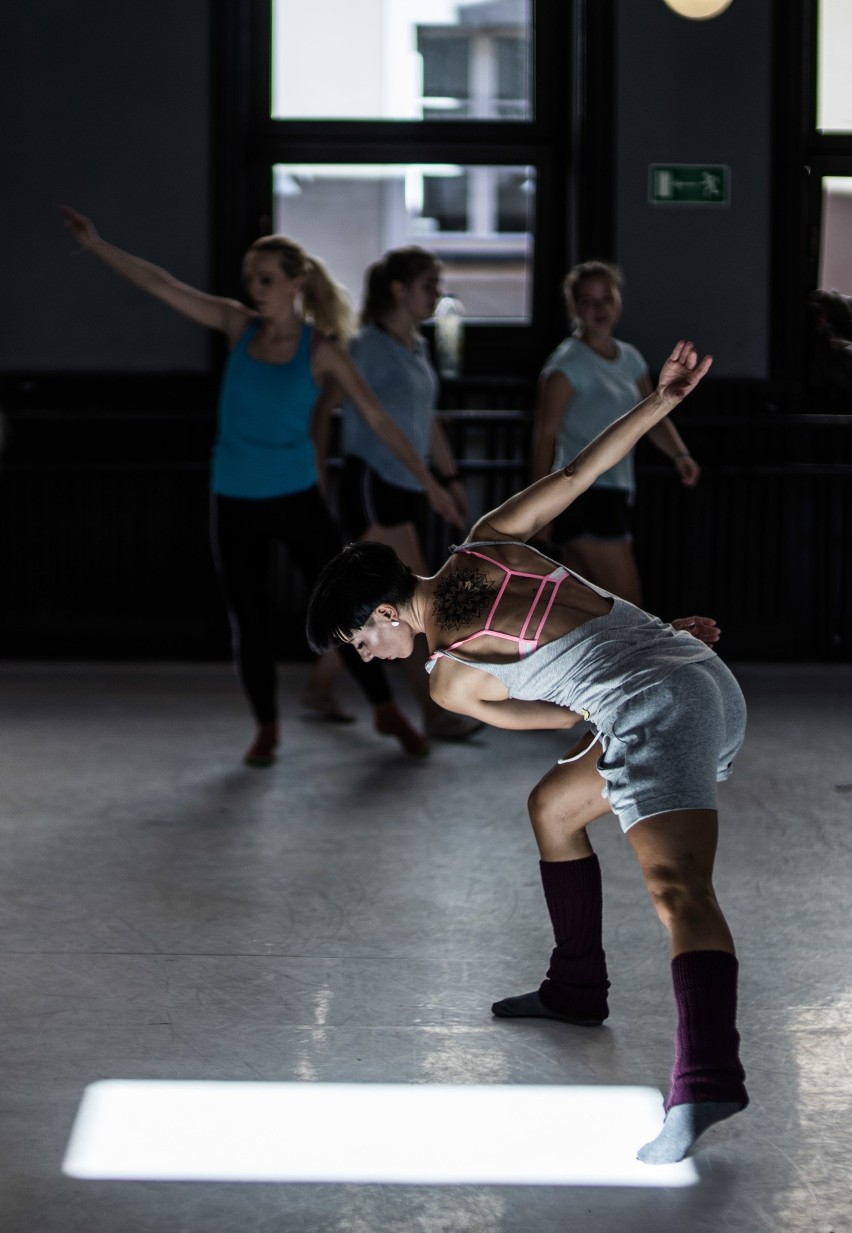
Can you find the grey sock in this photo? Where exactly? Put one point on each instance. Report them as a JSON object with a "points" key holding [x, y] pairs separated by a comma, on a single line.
{"points": [[683, 1125], [530, 1006]]}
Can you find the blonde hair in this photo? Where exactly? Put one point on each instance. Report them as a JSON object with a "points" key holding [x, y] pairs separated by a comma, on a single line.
{"points": [[585, 270], [324, 301]]}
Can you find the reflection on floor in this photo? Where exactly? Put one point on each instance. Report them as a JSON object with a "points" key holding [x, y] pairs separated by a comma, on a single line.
{"points": [[349, 915]]}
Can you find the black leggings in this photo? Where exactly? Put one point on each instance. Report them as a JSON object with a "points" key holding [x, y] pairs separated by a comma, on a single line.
{"points": [[242, 533]]}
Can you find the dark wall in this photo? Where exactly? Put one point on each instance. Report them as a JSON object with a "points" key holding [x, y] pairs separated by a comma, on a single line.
{"points": [[103, 548], [696, 92], [106, 107]]}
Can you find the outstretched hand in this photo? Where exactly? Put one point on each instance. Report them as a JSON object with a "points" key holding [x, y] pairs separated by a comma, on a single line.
{"points": [[703, 628], [82, 228], [681, 372]]}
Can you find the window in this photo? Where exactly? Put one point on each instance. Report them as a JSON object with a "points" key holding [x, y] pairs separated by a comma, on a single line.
{"points": [[477, 220], [401, 59], [813, 209], [830, 147], [448, 123], [482, 72], [834, 68], [410, 61], [835, 253]]}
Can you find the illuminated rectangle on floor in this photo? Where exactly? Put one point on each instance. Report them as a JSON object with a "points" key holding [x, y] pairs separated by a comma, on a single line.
{"points": [[346, 1132]]}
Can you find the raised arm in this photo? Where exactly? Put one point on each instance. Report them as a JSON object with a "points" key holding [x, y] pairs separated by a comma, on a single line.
{"points": [[524, 515], [214, 311], [331, 361]]}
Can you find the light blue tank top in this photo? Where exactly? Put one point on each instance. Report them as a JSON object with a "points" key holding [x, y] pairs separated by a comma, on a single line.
{"points": [[603, 391], [404, 381], [263, 447]]}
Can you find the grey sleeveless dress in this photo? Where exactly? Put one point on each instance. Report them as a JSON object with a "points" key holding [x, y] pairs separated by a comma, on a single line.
{"points": [[668, 714]]}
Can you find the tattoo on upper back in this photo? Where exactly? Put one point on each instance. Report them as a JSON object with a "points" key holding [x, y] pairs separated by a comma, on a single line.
{"points": [[461, 597]]}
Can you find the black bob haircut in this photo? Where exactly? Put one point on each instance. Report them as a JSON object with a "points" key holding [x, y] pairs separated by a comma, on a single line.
{"points": [[351, 587]]}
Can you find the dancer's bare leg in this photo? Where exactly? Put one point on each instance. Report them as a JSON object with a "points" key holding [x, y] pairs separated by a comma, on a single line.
{"points": [[676, 852], [565, 801], [561, 807]]}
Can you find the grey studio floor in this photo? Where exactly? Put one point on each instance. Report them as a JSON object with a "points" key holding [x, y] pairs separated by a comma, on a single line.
{"points": [[350, 914]]}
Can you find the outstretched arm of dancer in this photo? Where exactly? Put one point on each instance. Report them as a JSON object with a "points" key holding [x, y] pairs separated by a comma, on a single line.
{"points": [[331, 361], [216, 312], [524, 515]]}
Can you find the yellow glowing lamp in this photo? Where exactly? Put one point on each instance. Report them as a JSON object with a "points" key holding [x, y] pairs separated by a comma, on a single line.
{"points": [[698, 10]]}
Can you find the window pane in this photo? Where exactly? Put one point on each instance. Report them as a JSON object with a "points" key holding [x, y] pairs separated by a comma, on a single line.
{"points": [[512, 77], [834, 95], [477, 220], [401, 59], [445, 202], [515, 193], [835, 264]]}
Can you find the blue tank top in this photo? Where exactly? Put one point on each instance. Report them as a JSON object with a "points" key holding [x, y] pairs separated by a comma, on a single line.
{"points": [[263, 447]]}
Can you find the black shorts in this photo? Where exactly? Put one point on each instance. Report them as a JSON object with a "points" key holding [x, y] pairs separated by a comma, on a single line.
{"points": [[366, 498], [600, 513]]}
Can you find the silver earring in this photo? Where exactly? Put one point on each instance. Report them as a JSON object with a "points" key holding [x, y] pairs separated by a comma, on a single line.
{"points": [[394, 624]]}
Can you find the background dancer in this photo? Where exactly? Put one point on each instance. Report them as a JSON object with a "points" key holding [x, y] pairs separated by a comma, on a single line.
{"points": [[380, 498], [520, 642], [264, 483], [588, 382]]}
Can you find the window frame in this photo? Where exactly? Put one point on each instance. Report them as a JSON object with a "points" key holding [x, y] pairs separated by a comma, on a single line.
{"points": [[569, 142]]}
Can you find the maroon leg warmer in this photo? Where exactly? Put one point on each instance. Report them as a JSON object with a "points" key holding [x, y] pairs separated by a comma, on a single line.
{"points": [[707, 1064], [576, 981]]}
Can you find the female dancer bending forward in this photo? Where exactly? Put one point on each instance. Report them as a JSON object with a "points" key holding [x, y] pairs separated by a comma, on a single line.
{"points": [[519, 642]]}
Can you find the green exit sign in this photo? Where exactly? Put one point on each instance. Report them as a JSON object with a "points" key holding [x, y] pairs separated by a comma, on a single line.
{"points": [[689, 184]]}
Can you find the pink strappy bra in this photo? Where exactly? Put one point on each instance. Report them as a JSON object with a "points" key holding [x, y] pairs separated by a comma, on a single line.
{"points": [[525, 645]]}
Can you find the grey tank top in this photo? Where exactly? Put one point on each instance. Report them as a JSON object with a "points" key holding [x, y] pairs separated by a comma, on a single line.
{"points": [[598, 666]]}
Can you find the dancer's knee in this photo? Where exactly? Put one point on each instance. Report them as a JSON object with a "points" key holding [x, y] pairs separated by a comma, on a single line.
{"points": [[547, 819], [559, 827], [679, 895]]}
